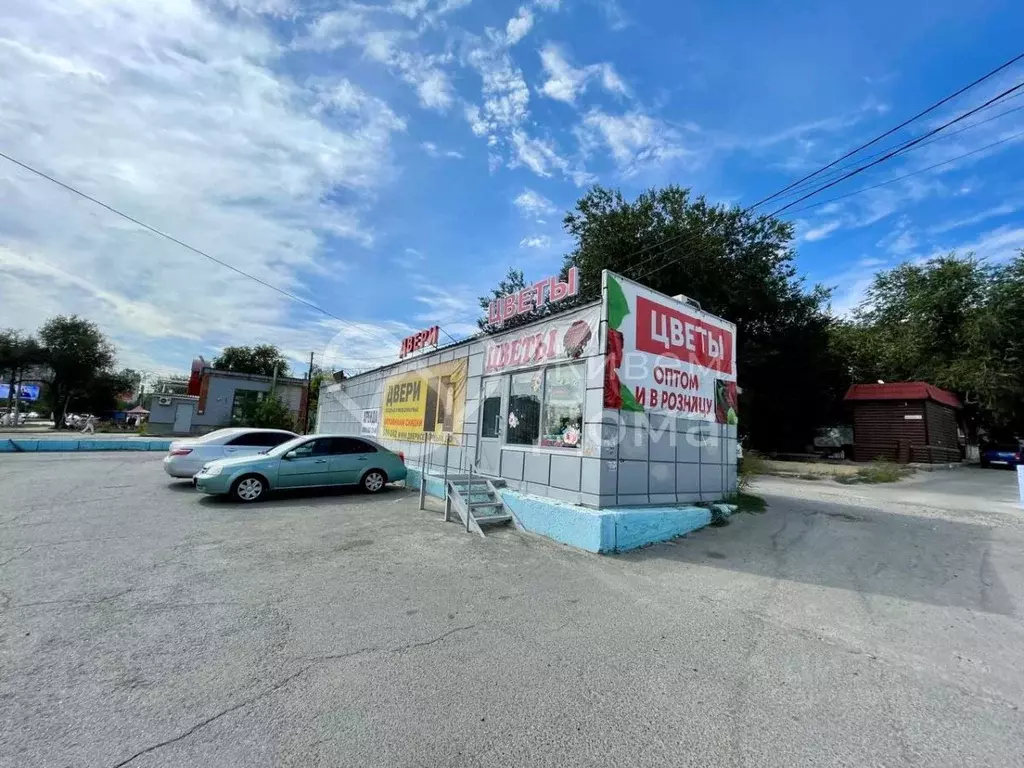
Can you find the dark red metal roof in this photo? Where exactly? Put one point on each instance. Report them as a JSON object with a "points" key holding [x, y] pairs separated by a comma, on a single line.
{"points": [[902, 390]]}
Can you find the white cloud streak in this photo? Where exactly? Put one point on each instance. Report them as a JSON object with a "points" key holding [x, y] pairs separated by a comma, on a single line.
{"points": [[533, 203], [105, 97], [566, 82]]}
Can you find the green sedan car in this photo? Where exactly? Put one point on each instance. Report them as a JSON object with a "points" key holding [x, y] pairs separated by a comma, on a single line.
{"points": [[314, 461]]}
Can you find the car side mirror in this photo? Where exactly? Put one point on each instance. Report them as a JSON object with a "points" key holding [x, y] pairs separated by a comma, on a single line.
{"points": [[289, 456]]}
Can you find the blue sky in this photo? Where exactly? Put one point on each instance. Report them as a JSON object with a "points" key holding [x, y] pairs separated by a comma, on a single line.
{"points": [[390, 161]]}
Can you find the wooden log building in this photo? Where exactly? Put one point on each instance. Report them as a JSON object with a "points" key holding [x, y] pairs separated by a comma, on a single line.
{"points": [[907, 421]]}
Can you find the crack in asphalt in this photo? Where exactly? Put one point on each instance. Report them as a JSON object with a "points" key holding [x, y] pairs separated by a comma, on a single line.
{"points": [[398, 649], [279, 685], [75, 601], [15, 557], [213, 718]]}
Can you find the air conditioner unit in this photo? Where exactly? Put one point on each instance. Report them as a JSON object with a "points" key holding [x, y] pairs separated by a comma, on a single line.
{"points": [[164, 401]]}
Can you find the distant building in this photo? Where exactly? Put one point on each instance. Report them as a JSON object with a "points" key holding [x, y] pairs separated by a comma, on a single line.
{"points": [[221, 400], [907, 421]]}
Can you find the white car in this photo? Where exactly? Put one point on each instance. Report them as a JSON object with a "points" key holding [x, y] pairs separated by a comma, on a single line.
{"points": [[186, 457]]}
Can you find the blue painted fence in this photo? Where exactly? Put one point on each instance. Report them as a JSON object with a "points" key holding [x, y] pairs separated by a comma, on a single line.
{"points": [[60, 445]]}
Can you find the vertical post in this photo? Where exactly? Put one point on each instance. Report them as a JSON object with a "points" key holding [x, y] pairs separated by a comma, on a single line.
{"points": [[16, 391], [700, 460], [423, 475], [447, 495], [309, 393], [469, 497]]}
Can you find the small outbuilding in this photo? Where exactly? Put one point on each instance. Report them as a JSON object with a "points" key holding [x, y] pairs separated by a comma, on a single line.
{"points": [[907, 421]]}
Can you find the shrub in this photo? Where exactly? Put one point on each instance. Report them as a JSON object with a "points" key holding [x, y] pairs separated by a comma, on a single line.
{"points": [[879, 471], [753, 465]]}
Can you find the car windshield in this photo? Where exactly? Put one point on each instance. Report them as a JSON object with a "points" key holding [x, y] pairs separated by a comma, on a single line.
{"points": [[283, 448]]}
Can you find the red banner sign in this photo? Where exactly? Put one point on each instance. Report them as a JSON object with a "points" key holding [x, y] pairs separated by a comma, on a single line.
{"points": [[418, 341], [666, 331]]}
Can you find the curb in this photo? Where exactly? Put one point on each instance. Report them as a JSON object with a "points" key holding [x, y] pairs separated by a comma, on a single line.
{"points": [[10, 445]]}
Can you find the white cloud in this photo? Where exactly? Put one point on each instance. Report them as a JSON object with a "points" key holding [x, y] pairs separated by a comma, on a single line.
{"points": [[506, 96], [452, 5], [548, 5], [996, 245], [537, 241], [900, 244], [1003, 209], [409, 8], [565, 82], [542, 158], [268, 7], [533, 203], [613, 14], [822, 231], [433, 88], [519, 26], [353, 27], [242, 172], [432, 150], [453, 307], [635, 140]]}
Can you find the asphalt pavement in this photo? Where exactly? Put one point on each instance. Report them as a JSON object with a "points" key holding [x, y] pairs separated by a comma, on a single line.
{"points": [[143, 625]]}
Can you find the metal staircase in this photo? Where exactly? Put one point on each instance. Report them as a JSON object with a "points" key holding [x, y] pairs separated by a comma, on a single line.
{"points": [[475, 501]]}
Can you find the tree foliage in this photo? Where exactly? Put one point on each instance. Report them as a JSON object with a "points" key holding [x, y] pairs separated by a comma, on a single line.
{"points": [[318, 378], [259, 360], [76, 353], [737, 266], [267, 412], [20, 356], [953, 322], [107, 391]]}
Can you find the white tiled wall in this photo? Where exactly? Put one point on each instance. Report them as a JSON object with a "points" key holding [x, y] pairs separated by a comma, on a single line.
{"points": [[626, 458]]}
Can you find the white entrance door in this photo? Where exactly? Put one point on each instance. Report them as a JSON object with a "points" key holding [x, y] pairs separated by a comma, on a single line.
{"points": [[183, 418], [492, 418]]}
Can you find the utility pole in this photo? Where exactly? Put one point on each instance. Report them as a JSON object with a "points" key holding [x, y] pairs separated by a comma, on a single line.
{"points": [[309, 392]]}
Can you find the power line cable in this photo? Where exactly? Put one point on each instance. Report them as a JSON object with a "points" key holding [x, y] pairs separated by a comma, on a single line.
{"points": [[906, 146], [891, 131], [912, 173], [885, 157], [837, 171], [928, 138], [876, 186], [185, 245]]}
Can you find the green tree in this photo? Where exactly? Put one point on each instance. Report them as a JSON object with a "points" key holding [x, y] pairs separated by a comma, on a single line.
{"points": [[268, 412], [259, 360], [953, 322], [76, 353], [318, 379], [20, 355], [107, 391], [735, 265]]}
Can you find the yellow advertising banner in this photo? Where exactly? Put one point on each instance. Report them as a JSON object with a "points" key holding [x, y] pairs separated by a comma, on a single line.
{"points": [[430, 401]]}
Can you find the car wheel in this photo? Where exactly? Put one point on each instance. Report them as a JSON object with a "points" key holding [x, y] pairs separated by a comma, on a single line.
{"points": [[249, 488], [374, 480]]}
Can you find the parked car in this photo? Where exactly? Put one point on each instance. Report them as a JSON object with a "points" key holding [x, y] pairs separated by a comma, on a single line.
{"points": [[186, 457], [306, 462], [1001, 455]]}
